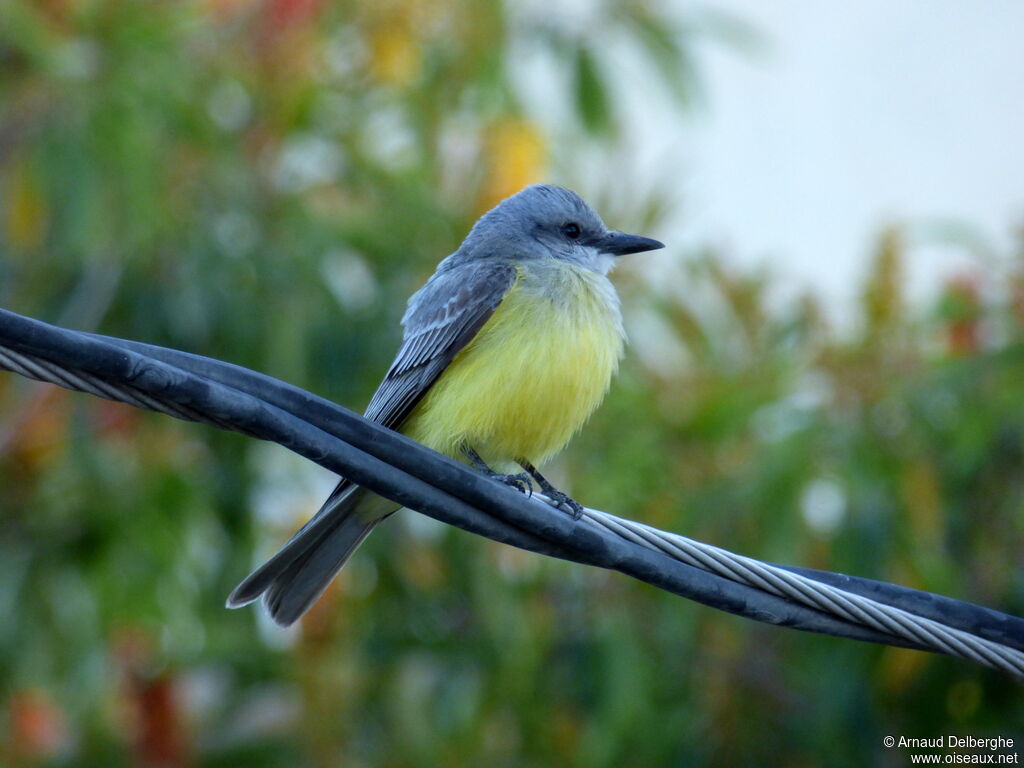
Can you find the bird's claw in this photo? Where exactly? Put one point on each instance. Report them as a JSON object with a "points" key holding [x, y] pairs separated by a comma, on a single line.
{"points": [[566, 503], [520, 482]]}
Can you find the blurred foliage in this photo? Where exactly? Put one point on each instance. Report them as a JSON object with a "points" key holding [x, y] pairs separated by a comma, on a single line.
{"points": [[265, 182]]}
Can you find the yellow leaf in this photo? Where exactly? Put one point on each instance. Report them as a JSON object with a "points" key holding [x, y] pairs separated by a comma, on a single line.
{"points": [[517, 157], [900, 667], [394, 55]]}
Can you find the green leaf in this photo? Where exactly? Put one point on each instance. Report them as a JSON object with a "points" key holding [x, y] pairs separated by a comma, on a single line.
{"points": [[591, 96], [661, 43]]}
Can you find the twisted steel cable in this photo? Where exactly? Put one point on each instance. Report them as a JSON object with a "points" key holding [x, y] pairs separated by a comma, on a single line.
{"points": [[856, 608]]}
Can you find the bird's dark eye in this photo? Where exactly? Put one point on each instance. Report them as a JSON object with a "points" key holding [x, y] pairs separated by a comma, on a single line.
{"points": [[572, 230]]}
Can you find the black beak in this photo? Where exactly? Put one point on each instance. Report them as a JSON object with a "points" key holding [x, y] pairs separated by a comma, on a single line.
{"points": [[621, 244]]}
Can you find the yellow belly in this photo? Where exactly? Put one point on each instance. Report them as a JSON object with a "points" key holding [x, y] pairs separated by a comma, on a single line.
{"points": [[531, 377]]}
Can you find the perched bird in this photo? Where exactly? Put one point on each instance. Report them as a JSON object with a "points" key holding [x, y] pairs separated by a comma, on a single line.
{"points": [[508, 349]]}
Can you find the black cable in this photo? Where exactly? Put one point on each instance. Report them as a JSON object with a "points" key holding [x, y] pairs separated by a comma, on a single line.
{"points": [[236, 398]]}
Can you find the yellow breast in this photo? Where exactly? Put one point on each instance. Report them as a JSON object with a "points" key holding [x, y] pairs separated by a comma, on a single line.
{"points": [[533, 374]]}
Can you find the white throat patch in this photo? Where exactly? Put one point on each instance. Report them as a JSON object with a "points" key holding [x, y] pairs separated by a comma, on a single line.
{"points": [[602, 263]]}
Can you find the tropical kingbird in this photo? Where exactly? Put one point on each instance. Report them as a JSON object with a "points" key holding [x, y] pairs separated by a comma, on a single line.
{"points": [[508, 349]]}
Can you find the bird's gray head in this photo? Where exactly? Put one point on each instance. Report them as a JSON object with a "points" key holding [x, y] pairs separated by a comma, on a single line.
{"points": [[545, 221]]}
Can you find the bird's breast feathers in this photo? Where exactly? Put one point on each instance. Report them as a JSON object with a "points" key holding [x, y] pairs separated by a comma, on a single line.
{"points": [[533, 374]]}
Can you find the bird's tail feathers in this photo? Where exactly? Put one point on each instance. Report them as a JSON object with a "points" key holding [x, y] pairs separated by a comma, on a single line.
{"points": [[292, 580]]}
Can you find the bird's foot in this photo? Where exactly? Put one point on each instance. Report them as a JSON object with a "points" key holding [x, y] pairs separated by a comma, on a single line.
{"points": [[558, 499], [520, 482], [564, 502]]}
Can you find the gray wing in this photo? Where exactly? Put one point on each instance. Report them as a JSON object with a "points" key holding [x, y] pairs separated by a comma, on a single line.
{"points": [[442, 318]]}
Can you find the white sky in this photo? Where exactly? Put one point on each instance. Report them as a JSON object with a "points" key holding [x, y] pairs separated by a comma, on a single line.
{"points": [[852, 115]]}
